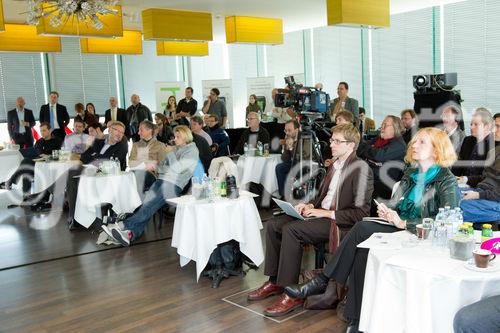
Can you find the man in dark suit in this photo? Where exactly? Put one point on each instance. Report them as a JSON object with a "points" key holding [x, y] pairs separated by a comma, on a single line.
{"points": [[19, 123], [56, 115], [114, 145], [343, 200], [136, 113], [116, 114]]}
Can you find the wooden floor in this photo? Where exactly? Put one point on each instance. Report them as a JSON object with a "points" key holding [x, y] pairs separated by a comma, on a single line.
{"points": [[136, 289]]}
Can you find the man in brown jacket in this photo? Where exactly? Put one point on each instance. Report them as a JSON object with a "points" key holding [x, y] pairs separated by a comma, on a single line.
{"points": [[149, 151], [343, 200]]}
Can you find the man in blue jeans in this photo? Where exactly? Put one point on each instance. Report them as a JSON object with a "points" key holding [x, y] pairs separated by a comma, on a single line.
{"points": [[482, 204], [479, 317]]}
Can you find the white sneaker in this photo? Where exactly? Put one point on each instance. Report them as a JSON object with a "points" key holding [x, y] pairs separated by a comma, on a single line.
{"points": [[122, 236], [106, 229]]}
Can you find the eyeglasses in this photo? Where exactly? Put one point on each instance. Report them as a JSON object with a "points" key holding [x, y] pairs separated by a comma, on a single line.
{"points": [[116, 129], [338, 142], [385, 126], [252, 118]]}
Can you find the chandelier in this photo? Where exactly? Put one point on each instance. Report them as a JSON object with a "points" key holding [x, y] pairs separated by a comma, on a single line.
{"points": [[63, 11]]}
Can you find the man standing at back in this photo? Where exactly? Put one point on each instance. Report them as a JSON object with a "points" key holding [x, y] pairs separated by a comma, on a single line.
{"points": [[136, 114], [186, 107], [114, 113], [19, 123], [56, 115], [214, 106]]}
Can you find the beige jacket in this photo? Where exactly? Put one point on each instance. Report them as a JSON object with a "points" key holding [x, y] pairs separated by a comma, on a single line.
{"points": [[153, 151]]}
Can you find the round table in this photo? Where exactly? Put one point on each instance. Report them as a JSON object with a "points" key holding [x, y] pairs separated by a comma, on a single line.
{"points": [[47, 173], [260, 170], [200, 226], [10, 161], [119, 190], [417, 289]]}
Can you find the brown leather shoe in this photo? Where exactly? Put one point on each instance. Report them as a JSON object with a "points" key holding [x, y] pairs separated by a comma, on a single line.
{"points": [[283, 305], [266, 290]]}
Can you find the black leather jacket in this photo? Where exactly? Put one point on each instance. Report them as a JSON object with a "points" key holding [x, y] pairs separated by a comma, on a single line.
{"points": [[440, 192]]}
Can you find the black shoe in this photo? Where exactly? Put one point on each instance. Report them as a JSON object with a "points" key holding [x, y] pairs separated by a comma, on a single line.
{"points": [[353, 327], [73, 225], [41, 207], [314, 287]]}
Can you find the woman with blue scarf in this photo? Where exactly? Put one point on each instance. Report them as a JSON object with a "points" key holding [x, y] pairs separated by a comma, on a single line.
{"points": [[426, 185]]}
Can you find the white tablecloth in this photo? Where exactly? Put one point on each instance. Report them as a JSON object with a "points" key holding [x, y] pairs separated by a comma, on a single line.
{"points": [[47, 173], [9, 162], [199, 226], [119, 190], [418, 289], [260, 170]]}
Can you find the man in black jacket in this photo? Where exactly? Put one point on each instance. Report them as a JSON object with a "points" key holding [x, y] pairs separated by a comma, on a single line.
{"points": [[253, 134], [471, 159], [186, 107], [114, 145], [56, 115], [116, 114], [136, 113], [19, 123], [290, 153], [44, 146]]}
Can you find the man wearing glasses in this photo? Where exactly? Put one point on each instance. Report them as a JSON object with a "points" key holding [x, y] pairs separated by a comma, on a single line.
{"points": [[114, 145], [253, 134], [344, 198]]}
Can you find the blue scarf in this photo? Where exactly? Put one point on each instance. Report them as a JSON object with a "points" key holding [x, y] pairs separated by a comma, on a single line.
{"points": [[409, 207]]}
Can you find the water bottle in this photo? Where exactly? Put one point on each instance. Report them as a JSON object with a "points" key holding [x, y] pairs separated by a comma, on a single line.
{"points": [[260, 148], [245, 149], [449, 222], [437, 231], [459, 219]]}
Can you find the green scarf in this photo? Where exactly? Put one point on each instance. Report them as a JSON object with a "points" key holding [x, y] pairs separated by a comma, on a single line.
{"points": [[409, 207]]}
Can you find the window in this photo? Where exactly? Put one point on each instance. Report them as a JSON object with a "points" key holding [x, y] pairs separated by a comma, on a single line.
{"points": [[83, 78], [21, 75]]}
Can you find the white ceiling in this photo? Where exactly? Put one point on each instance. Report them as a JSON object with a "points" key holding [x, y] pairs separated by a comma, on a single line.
{"points": [[296, 14]]}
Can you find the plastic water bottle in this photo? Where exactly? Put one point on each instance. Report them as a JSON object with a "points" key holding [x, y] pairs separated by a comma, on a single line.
{"points": [[449, 222], [245, 149], [459, 219], [260, 148], [437, 231]]}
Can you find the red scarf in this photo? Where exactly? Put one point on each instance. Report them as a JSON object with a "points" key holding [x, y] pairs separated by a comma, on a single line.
{"points": [[381, 142]]}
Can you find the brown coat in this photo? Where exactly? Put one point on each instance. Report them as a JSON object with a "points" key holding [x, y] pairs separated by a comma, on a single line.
{"points": [[353, 198], [156, 151]]}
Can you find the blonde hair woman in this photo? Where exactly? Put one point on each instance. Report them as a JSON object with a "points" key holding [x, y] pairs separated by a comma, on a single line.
{"points": [[426, 185]]}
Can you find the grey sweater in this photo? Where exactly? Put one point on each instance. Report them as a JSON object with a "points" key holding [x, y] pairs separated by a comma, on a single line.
{"points": [[179, 165]]}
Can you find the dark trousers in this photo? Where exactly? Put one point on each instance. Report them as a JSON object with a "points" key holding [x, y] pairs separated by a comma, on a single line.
{"points": [[24, 140], [285, 238], [349, 261], [72, 190], [282, 171], [25, 173]]}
